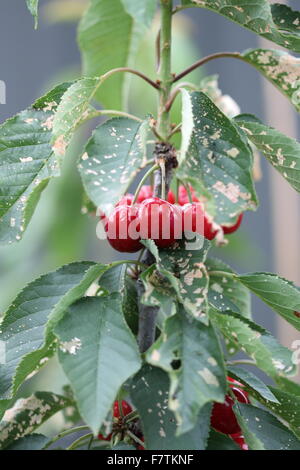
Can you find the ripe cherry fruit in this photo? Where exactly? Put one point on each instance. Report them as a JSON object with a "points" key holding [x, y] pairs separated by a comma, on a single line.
{"points": [[126, 409], [223, 418], [147, 191], [234, 227], [160, 221], [196, 220], [122, 228], [239, 439]]}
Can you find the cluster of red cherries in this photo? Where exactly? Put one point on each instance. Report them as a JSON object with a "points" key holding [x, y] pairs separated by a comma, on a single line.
{"points": [[222, 419], [160, 220]]}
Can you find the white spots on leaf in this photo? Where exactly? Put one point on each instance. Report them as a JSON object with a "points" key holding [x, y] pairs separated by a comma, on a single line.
{"points": [[71, 346], [209, 377]]}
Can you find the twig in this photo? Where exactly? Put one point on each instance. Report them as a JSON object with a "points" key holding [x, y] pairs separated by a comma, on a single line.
{"points": [[204, 60], [134, 72]]}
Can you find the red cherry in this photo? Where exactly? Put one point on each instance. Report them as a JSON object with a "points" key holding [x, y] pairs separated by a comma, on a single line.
{"points": [[223, 418], [195, 220], [122, 229], [160, 221], [125, 200], [103, 438], [183, 197], [239, 439], [171, 197], [126, 408], [145, 193], [234, 227]]}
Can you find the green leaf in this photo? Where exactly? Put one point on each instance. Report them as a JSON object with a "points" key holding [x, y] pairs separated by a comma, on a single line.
{"points": [[287, 407], [262, 431], [32, 6], [150, 392], [31, 442], [253, 384], [200, 378], [281, 151], [183, 266], [98, 354], [141, 12], [116, 280], [257, 16], [281, 295], [288, 386], [225, 292], [108, 38], [4, 405], [216, 158], [281, 68], [112, 158], [219, 441], [256, 342], [27, 326], [27, 163], [74, 109], [28, 414], [285, 18]]}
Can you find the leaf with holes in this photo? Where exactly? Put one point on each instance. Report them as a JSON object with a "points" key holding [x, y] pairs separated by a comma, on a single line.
{"points": [[256, 342], [253, 384], [281, 68], [33, 6], [27, 163], [216, 158], [109, 38], [281, 151], [27, 326], [183, 266], [73, 110], [112, 158], [149, 391], [281, 295], [141, 12], [98, 353], [200, 377], [28, 414], [257, 16], [263, 431]]}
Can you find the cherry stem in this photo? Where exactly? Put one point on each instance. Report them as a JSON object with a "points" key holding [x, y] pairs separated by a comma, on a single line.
{"points": [[135, 438], [188, 190], [134, 72], [141, 183], [163, 179], [204, 60]]}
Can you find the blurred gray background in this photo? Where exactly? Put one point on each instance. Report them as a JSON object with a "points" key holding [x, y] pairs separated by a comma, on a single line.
{"points": [[32, 61]]}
